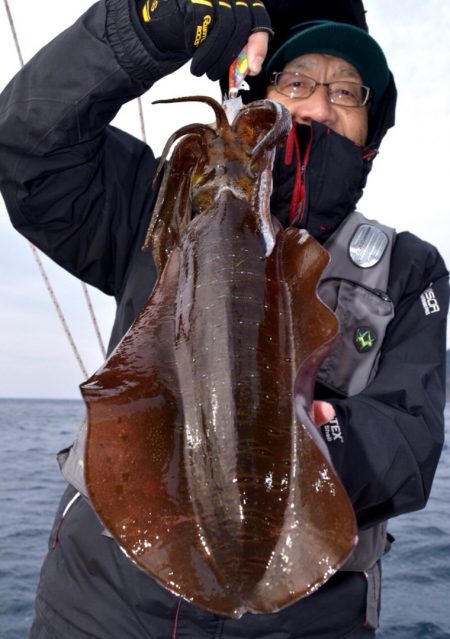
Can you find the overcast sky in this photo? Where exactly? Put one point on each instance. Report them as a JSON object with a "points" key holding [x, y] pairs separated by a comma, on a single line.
{"points": [[408, 187]]}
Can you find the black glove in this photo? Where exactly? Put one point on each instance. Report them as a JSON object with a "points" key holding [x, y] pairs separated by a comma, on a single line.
{"points": [[212, 32]]}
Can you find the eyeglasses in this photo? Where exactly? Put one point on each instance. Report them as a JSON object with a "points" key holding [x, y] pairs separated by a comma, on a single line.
{"points": [[344, 93]]}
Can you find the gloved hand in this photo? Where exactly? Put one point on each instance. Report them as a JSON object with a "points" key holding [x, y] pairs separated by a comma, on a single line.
{"points": [[212, 32]]}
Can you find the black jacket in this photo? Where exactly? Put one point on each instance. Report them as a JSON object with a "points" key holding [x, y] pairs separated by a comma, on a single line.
{"points": [[80, 190]]}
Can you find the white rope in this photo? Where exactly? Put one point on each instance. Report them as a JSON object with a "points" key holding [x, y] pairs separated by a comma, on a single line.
{"points": [[13, 31], [58, 309], [141, 119], [93, 318], [36, 254]]}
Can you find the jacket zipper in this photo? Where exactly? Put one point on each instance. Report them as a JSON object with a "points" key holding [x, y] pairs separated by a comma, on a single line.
{"points": [[64, 513], [375, 291], [298, 200]]}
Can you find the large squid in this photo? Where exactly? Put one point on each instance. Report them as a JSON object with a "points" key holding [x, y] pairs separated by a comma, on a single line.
{"points": [[202, 460]]}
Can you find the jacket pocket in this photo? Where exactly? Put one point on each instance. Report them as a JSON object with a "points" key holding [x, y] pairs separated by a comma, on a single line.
{"points": [[363, 315]]}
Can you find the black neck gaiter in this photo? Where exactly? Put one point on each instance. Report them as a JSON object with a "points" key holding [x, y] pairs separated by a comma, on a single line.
{"points": [[318, 178]]}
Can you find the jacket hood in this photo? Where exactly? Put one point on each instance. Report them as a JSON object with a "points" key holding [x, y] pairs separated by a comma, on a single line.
{"points": [[318, 178]]}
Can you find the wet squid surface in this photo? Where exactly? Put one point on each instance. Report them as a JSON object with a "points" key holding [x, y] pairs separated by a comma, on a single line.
{"points": [[201, 458]]}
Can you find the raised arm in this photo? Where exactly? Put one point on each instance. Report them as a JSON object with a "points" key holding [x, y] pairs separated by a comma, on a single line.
{"points": [[75, 186]]}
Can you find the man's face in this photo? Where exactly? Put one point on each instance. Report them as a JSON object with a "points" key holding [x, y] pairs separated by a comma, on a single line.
{"points": [[352, 122]]}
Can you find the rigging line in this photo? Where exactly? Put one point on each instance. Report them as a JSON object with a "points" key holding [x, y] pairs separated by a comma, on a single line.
{"points": [[13, 31], [141, 119], [93, 318], [35, 251], [58, 310]]}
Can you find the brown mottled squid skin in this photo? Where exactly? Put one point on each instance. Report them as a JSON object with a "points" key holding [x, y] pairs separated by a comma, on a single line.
{"points": [[201, 458]]}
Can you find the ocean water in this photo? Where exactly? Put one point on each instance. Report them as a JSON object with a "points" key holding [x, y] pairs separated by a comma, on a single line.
{"points": [[416, 573]]}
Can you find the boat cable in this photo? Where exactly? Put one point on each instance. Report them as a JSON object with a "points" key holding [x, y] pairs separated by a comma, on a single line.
{"points": [[93, 318], [58, 309]]}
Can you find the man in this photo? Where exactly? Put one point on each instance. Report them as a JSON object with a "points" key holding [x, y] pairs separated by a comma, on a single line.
{"points": [[80, 190]]}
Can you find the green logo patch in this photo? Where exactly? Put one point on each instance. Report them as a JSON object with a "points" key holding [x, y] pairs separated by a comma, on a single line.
{"points": [[364, 339]]}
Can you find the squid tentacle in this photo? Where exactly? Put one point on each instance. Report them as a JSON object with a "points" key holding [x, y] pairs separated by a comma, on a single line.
{"points": [[280, 128], [189, 129], [221, 118]]}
